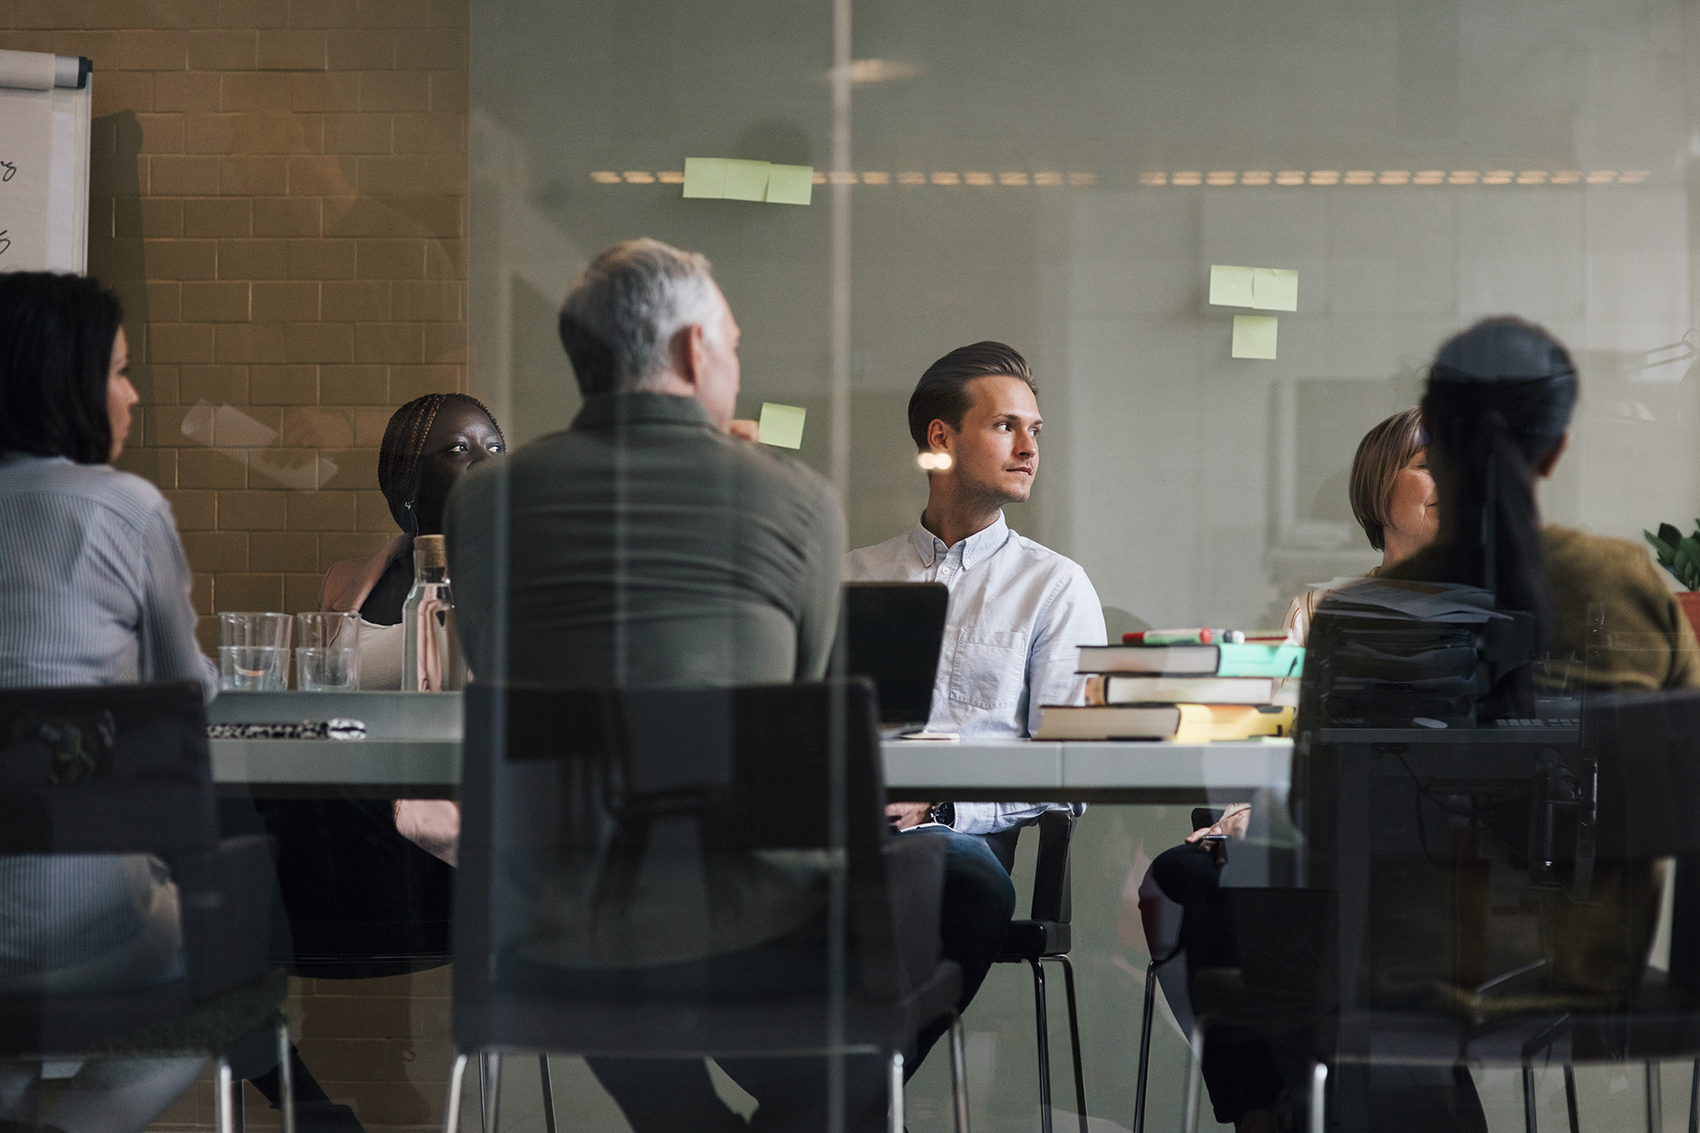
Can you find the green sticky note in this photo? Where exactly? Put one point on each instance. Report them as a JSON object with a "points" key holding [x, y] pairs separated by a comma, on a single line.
{"points": [[782, 425], [1254, 336], [1275, 289], [790, 184], [1230, 286], [705, 177], [746, 180]]}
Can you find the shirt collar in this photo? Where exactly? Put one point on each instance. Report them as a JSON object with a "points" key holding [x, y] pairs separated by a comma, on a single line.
{"points": [[974, 548], [610, 410]]}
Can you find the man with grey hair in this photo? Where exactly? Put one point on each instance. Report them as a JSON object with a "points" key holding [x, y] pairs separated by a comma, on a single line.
{"points": [[646, 545]]}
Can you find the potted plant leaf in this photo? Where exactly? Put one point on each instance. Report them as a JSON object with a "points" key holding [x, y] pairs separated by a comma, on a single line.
{"points": [[1680, 554]]}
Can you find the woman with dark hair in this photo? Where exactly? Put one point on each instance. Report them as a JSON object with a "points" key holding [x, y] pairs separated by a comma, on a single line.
{"points": [[94, 589]]}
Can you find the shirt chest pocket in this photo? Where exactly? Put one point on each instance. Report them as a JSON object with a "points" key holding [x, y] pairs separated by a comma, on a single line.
{"points": [[990, 668]]}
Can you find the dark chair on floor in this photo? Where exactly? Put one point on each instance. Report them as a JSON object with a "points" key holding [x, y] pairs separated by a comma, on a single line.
{"points": [[124, 769], [572, 799], [1046, 935]]}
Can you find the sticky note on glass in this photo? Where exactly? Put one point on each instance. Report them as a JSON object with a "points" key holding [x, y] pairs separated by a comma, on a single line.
{"points": [[782, 425], [790, 184], [1274, 289], [1231, 286], [705, 177], [746, 180], [1254, 336]]}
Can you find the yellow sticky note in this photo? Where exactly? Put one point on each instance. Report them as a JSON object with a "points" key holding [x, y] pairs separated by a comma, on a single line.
{"points": [[1275, 289], [782, 425], [790, 184], [1254, 336], [746, 180], [705, 177], [1230, 286]]}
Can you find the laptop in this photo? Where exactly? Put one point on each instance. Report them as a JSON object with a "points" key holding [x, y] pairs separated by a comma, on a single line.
{"points": [[891, 632]]}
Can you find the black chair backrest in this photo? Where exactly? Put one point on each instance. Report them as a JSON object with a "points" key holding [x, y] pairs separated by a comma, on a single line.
{"points": [[586, 779], [1647, 750], [1052, 900], [109, 769]]}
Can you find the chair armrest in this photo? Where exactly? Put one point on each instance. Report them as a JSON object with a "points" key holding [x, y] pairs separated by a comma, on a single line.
{"points": [[227, 897], [1051, 881]]}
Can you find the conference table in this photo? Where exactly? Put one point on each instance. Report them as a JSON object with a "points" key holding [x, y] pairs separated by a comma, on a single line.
{"points": [[412, 750]]}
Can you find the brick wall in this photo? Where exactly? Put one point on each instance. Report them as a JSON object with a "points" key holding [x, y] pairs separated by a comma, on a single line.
{"points": [[278, 194]]}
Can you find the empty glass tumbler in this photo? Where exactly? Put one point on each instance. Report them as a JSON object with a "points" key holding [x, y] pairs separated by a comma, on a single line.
{"points": [[253, 652], [328, 656]]}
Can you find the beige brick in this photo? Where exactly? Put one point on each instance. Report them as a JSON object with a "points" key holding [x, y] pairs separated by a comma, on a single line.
{"points": [[287, 216], [180, 342], [230, 50], [212, 468], [193, 510], [395, 91], [123, 90], [409, 382], [252, 14], [392, 13], [289, 552], [356, 470], [182, 174], [327, 92], [391, 259], [301, 594], [283, 385], [369, 426], [158, 466], [319, 342], [372, 512], [449, 13], [445, 259], [321, 259], [256, 258], [321, 13], [354, 385], [161, 133], [446, 343], [360, 51], [207, 302], [328, 175], [190, 90], [165, 425], [430, 133], [339, 546], [292, 301], [431, 49], [210, 551], [252, 511], [49, 14], [262, 175], [71, 40], [414, 173], [254, 133], [157, 217], [366, 300], [164, 301], [291, 50], [218, 216], [317, 428], [220, 384], [389, 343], [192, 1108], [253, 92], [245, 343], [428, 300], [321, 511], [357, 133], [295, 468], [235, 592], [449, 92], [115, 14], [142, 50]]}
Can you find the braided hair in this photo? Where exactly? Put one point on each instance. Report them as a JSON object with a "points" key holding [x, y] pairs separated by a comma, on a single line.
{"points": [[404, 446]]}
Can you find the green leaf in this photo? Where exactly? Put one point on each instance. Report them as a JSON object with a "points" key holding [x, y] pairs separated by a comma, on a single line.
{"points": [[1669, 533], [1687, 568]]}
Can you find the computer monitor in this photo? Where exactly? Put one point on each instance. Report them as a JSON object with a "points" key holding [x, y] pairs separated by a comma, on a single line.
{"points": [[892, 632]]}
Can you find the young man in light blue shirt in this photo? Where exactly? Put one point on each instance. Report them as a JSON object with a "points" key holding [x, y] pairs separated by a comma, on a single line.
{"points": [[1018, 615]]}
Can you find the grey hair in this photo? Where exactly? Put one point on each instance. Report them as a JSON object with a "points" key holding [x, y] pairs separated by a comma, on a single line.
{"points": [[626, 306]]}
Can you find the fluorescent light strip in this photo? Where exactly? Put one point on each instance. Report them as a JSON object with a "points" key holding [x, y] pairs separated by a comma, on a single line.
{"points": [[1017, 178], [1182, 178]]}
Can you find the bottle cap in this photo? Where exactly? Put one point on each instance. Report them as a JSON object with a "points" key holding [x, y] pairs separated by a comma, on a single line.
{"points": [[430, 551]]}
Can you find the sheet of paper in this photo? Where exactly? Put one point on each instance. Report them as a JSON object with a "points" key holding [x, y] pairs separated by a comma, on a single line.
{"points": [[782, 425], [1275, 289], [1230, 286], [1254, 336], [790, 184], [26, 134], [705, 177], [746, 180]]}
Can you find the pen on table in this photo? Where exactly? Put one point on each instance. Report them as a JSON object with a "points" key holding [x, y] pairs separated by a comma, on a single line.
{"points": [[1183, 636]]}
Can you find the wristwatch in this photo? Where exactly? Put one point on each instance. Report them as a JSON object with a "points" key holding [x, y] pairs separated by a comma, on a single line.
{"points": [[943, 813]]}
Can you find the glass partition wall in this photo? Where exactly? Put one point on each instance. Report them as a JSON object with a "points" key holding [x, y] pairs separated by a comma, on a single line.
{"points": [[1063, 178]]}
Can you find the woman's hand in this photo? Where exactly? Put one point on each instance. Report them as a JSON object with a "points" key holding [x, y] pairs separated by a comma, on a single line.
{"points": [[1233, 824]]}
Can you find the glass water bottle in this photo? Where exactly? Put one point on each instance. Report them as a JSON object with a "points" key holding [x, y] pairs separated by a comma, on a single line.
{"points": [[431, 660]]}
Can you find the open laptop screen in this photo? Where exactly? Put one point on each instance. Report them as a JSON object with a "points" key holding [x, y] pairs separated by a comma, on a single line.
{"points": [[892, 632]]}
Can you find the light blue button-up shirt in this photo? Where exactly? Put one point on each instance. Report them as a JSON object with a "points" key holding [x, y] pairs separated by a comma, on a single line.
{"points": [[1019, 613]]}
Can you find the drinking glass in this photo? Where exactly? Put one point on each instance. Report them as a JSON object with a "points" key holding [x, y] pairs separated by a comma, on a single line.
{"points": [[328, 658], [253, 652]]}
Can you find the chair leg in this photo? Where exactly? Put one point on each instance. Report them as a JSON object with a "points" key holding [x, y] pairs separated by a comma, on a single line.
{"points": [[1074, 1040], [894, 1086], [1693, 1100], [1570, 1095], [490, 1088], [451, 1109], [548, 1092], [1144, 1047], [1194, 1078], [1528, 1098], [224, 1099], [958, 1074], [1319, 1098], [285, 1078], [1655, 1103], [1043, 1032]]}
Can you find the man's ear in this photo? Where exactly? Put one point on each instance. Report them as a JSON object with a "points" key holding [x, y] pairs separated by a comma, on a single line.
{"points": [[685, 350], [1545, 465], [939, 436]]}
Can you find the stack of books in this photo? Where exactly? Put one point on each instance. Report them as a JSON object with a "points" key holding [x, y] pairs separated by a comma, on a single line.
{"points": [[1191, 687]]}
